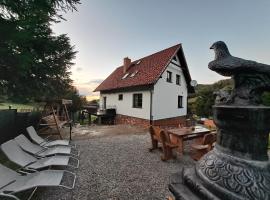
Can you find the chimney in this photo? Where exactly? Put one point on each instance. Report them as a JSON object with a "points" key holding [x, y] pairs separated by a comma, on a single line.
{"points": [[126, 64]]}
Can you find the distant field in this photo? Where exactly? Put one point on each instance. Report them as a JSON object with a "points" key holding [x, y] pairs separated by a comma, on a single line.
{"points": [[17, 106]]}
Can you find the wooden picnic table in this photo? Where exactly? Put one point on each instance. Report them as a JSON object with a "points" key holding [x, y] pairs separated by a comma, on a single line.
{"points": [[179, 135]]}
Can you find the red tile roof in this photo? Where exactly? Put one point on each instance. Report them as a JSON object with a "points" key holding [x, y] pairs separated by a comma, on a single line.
{"points": [[150, 68]]}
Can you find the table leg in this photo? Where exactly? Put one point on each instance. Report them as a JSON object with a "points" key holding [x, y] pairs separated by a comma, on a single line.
{"points": [[181, 146]]}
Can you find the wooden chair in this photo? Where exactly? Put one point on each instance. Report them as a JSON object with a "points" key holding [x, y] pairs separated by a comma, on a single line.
{"points": [[158, 135], [170, 144], [198, 150]]}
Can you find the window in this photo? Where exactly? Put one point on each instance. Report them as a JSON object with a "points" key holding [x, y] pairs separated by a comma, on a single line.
{"points": [[104, 102], [174, 58], [177, 79], [180, 101], [125, 76], [134, 73], [169, 76], [137, 100], [120, 97]]}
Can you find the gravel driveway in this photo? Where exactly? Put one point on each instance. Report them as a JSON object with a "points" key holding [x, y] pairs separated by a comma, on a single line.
{"points": [[118, 167]]}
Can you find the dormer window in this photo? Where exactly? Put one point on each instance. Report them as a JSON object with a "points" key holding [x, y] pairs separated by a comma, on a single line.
{"points": [[134, 73], [125, 76]]}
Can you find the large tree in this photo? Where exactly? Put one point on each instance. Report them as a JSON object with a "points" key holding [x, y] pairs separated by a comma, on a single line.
{"points": [[204, 100], [34, 62]]}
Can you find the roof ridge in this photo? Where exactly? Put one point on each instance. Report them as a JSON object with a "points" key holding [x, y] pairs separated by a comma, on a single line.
{"points": [[179, 44], [159, 51]]}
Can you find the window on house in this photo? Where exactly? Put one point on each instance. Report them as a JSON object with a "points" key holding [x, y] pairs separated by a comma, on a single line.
{"points": [[169, 76], [134, 73], [180, 101], [174, 58], [125, 76], [120, 97], [178, 79], [137, 100]]}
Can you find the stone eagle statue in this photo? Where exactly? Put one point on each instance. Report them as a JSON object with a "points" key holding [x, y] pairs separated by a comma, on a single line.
{"points": [[251, 79]]}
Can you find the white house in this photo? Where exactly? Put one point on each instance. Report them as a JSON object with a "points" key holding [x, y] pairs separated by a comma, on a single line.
{"points": [[150, 90]]}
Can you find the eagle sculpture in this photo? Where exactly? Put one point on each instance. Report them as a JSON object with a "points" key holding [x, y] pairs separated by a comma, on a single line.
{"points": [[251, 79]]}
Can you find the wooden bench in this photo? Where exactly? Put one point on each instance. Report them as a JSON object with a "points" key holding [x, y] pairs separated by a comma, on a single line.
{"points": [[158, 135], [199, 149]]}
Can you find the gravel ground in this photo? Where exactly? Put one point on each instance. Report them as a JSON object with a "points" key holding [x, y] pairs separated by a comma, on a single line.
{"points": [[118, 167]]}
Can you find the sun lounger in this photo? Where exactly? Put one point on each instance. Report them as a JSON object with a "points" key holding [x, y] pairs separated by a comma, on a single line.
{"points": [[40, 151], [14, 153], [12, 182], [44, 142]]}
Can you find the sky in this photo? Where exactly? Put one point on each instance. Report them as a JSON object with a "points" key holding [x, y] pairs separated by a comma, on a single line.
{"points": [[105, 31]]}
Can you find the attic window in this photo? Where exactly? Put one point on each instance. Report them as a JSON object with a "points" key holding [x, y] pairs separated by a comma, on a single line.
{"points": [[174, 58], [125, 76], [134, 73]]}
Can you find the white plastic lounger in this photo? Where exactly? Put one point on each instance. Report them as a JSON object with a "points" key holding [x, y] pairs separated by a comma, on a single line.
{"points": [[12, 182], [44, 142], [14, 153], [39, 151]]}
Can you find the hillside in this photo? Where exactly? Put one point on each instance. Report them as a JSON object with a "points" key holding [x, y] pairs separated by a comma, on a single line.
{"points": [[202, 101]]}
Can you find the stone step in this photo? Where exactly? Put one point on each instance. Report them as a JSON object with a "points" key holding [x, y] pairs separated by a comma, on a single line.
{"points": [[182, 192], [179, 190]]}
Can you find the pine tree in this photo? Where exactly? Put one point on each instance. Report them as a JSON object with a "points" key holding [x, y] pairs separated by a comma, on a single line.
{"points": [[34, 63]]}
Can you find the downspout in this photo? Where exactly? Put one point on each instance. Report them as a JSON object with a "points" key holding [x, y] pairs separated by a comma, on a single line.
{"points": [[151, 103]]}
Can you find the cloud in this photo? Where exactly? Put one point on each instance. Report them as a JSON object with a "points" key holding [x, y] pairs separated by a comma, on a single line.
{"points": [[86, 89], [79, 69], [95, 81]]}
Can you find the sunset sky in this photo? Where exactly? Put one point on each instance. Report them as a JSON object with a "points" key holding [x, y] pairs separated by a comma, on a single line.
{"points": [[106, 31]]}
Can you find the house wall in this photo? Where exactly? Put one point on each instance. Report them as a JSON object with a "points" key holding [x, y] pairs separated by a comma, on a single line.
{"points": [[165, 95], [125, 106]]}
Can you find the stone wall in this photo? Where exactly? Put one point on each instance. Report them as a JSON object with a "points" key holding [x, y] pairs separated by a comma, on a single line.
{"points": [[175, 121], [124, 119]]}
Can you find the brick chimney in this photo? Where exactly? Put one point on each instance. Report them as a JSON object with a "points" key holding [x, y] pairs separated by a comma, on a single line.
{"points": [[126, 64]]}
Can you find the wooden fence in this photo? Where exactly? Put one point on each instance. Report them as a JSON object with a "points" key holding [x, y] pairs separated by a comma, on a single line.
{"points": [[13, 123]]}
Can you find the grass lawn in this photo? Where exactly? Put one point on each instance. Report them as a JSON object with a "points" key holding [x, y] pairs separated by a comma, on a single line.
{"points": [[6, 105]]}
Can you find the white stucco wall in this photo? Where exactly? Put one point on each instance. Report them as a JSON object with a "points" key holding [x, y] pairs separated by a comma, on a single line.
{"points": [[125, 107], [165, 95]]}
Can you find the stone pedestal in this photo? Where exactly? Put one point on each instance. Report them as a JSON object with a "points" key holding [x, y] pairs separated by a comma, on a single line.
{"points": [[238, 168]]}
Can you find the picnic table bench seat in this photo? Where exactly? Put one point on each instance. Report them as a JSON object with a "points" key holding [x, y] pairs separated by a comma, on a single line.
{"points": [[204, 147], [161, 136]]}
